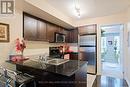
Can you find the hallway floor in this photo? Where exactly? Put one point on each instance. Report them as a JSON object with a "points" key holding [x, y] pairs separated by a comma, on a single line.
{"points": [[104, 81], [112, 70]]}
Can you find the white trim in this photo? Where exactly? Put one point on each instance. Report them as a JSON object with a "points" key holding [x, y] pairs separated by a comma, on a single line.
{"points": [[121, 45], [127, 80]]}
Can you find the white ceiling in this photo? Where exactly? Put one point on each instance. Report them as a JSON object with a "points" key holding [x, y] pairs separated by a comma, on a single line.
{"points": [[90, 8], [29, 8]]}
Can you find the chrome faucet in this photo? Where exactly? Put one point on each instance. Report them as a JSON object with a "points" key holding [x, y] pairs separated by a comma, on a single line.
{"points": [[43, 58], [40, 57]]}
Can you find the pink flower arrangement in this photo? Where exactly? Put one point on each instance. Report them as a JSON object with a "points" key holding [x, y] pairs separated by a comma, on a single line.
{"points": [[20, 45]]}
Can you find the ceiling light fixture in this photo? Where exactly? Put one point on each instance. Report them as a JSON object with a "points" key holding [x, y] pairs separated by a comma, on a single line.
{"points": [[77, 8]]}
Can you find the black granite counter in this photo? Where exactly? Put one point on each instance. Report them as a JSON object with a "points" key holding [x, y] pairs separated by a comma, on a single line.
{"points": [[68, 68], [72, 73]]}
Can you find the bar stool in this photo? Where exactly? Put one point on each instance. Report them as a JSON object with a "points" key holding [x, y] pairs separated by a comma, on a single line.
{"points": [[3, 79], [2, 74], [21, 79], [2, 71]]}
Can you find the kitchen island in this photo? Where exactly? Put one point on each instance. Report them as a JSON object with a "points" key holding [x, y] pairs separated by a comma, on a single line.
{"points": [[72, 73]]}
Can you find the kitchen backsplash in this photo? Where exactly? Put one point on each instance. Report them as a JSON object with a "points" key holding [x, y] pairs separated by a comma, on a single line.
{"points": [[74, 48], [39, 48]]}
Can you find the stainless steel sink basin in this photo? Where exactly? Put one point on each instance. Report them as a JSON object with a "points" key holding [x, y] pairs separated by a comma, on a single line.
{"points": [[52, 61], [57, 61], [37, 60]]}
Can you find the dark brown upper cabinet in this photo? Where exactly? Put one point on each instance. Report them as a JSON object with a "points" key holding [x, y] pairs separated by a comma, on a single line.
{"points": [[36, 29], [63, 30], [73, 36], [30, 28], [88, 29], [41, 34], [66, 32], [51, 29]]}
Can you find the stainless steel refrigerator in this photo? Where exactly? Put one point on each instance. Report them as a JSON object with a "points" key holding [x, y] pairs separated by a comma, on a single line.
{"points": [[87, 51]]}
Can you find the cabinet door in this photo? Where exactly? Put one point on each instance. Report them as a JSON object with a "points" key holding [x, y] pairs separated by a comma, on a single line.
{"points": [[88, 29], [74, 56], [30, 28], [73, 36], [81, 76], [66, 32], [41, 31], [51, 29], [61, 30]]}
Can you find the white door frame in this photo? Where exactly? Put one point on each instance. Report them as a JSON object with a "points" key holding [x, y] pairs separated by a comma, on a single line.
{"points": [[121, 46]]}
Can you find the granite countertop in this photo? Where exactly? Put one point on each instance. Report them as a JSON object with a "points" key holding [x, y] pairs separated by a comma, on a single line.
{"points": [[70, 52], [68, 68]]}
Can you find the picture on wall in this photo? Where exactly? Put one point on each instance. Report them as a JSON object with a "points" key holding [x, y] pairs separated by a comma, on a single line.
{"points": [[4, 32], [110, 42]]}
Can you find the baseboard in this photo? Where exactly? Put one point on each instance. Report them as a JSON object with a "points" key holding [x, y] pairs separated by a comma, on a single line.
{"points": [[127, 80]]}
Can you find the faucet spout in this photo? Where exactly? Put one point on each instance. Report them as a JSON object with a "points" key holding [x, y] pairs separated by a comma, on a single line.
{"points": [[43, 58]]}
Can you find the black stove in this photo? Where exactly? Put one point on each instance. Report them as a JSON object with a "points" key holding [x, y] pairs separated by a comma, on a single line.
{"points": [[55, 52]]}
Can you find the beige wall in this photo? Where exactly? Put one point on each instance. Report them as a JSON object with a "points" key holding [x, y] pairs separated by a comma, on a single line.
{"points": [[15, 24]]}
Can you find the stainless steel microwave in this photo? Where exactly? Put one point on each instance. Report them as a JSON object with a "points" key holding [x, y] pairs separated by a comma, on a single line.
{"points": [[59, 37]]}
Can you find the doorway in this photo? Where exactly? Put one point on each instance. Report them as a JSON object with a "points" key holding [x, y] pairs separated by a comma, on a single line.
{"points": [[111, 50]]}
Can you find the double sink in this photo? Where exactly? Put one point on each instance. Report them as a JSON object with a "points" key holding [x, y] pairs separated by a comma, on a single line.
{"points": [[52, 61]]}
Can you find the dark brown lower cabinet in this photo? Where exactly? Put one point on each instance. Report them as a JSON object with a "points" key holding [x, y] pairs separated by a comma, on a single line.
{"points": [[48, 79], [81, 77], [73, 56]]}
